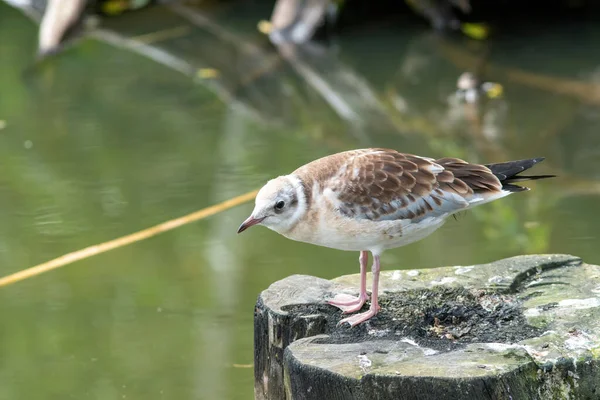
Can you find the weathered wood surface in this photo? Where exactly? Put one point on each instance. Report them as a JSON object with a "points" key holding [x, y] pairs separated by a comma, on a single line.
{"points": [[526, 327]]}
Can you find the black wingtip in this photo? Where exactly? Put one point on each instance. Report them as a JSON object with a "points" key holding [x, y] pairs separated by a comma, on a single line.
{"points": [[508, 173], [537, 160], [521, 178]]}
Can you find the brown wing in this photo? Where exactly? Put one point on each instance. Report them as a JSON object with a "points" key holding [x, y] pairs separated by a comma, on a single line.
{"points": [[477, 177], [382, 184]]}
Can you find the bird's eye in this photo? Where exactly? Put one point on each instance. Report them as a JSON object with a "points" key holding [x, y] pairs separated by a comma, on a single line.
{"points": [[279, 205]]}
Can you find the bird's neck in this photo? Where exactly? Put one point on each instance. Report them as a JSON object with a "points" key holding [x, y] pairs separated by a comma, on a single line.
{"points": [[304, 197]]}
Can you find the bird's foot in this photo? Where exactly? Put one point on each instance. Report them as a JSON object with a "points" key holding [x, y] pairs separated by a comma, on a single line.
{"points": [[348, 303], [358, 318]]}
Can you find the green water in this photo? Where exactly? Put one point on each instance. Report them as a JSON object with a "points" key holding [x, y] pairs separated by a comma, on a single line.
{"points": [[101, 142]]}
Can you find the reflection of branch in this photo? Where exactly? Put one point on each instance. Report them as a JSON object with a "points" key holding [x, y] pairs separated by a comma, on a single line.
{"points": [[165, 34], [204, 22], [346, 92], [585, 91], [155, 54], [334, 90], [288, 51], [165, 58], [141, 45]]}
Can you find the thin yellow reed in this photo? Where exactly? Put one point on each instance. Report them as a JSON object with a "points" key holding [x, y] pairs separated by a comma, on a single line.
{"points": [[125, 240]]}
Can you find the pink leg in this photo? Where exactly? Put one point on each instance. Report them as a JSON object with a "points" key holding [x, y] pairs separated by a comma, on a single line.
{"points": [[348, 303], [358, 318]]}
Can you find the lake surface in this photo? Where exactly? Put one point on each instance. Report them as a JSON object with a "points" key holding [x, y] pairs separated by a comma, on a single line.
{"points": [[102, 141]]}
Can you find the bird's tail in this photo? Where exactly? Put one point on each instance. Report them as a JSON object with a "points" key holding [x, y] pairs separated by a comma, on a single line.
{"points": [[508, 173]]}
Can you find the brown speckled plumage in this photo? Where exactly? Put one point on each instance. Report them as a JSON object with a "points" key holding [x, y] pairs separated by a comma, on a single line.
{"points": [[380, 184]]}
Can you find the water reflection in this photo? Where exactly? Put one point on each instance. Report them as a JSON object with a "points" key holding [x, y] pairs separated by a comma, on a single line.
{"points": [[103, 140]]}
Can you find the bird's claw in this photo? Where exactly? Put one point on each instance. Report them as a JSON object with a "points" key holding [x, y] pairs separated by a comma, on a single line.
{"points": [[348, 303], [358, 318]]}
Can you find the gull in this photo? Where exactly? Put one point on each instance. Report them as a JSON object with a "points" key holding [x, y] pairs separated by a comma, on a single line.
{"points": [[372, 200]]}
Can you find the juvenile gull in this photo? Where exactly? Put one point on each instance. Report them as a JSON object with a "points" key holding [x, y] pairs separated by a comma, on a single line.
{"points": [[371, 200]]}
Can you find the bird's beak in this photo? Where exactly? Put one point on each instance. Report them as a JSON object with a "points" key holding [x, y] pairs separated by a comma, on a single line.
{"points": [[249, 222]]}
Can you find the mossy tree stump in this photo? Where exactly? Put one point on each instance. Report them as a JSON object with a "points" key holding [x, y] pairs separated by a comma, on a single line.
{"points": [[526, 327]]}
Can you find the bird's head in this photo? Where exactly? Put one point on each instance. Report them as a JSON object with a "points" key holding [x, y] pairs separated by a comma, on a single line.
{"points": [[278, 205]]}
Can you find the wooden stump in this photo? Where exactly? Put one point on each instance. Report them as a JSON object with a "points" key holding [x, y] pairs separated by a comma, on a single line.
{"points": [[526, 327]]}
